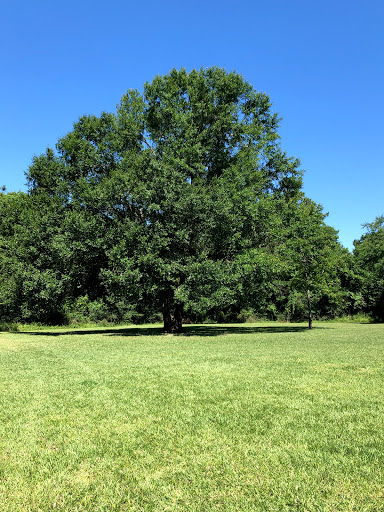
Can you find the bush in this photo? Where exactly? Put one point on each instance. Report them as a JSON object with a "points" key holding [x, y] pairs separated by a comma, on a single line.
{"points": [[248, 316], [9, 327], [86, 310]]}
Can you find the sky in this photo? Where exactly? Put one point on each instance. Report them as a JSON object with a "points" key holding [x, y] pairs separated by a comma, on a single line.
{"points": [[321, 63]]}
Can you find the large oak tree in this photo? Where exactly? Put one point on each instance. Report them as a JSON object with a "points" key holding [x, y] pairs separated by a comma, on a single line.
{"points": [[184, 181]]}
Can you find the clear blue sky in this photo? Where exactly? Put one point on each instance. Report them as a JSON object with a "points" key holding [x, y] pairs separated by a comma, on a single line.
{"points": [[321, 62]]}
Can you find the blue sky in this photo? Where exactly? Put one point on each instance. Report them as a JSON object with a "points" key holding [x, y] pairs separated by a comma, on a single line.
{"points": [[321, 62]]}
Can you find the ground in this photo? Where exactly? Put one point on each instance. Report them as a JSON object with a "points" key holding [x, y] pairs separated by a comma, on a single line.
{"points": [[268, 417]]}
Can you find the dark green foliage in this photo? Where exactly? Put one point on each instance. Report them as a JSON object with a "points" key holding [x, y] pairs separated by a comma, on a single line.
{"points": [[369, 256], [311, 250], [183, 203], [33, 279]]}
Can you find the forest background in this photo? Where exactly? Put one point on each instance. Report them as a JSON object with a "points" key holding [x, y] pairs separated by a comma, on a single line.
{"points": [[181, 204]]}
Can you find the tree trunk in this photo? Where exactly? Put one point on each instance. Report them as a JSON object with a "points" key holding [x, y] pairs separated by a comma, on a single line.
{"points": [[309, 303], [173, 317]]}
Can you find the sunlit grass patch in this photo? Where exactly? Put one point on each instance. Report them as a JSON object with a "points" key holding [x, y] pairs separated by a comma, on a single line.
{"points": [[237, 417]]}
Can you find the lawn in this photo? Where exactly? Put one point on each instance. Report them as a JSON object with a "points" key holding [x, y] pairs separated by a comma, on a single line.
{"points": [[252, 417]]}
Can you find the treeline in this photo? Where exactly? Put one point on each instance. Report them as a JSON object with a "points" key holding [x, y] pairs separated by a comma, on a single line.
{"points": [[181, 205]]}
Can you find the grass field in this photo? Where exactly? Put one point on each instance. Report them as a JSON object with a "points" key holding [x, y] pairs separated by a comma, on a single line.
{"points": [[253, 417]]}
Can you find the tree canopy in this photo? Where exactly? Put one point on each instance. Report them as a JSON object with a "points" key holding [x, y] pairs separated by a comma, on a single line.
{"points": [[181, 202]]}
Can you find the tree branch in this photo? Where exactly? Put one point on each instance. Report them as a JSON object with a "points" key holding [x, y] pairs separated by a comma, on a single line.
{"points": [[147, 143]]}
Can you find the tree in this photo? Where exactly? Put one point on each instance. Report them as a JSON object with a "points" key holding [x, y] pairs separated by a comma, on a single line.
{"points": [[369, 256], [179, 179], [32, 279], [310, 250]]}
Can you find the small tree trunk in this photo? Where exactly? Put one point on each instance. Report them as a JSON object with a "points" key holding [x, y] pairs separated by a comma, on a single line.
{"points": [[173, 317], [309, 303]]}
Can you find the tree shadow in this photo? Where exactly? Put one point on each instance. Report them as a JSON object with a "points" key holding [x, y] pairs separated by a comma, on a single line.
{"points": [[217, 330], [188, 330], [118, 331]]}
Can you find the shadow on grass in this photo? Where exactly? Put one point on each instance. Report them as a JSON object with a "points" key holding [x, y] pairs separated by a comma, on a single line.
{"points": [[189, 330], [217, 330]]}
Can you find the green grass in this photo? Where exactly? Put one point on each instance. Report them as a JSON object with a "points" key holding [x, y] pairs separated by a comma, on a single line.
{"points": [[263, 417]]}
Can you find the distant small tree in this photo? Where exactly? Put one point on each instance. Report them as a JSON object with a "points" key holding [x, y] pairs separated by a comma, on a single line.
{"points": [[310, 250]]}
